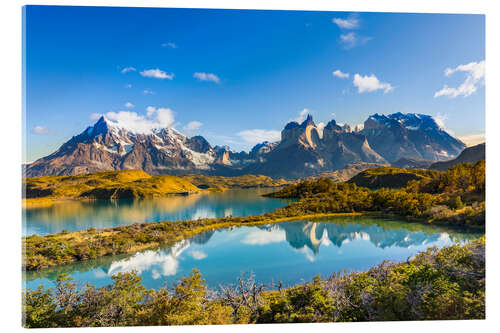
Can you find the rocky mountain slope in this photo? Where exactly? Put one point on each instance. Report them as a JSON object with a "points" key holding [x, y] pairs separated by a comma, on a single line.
{"points": [[304, 150], [471, 155], [410, 135], [105, 146], [306, 153]]}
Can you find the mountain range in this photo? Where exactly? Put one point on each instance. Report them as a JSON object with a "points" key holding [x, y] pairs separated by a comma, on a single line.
{"points": [[304, 149]]}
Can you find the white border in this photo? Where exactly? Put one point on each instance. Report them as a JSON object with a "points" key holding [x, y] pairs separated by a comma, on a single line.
{"points": [[10, 152]]}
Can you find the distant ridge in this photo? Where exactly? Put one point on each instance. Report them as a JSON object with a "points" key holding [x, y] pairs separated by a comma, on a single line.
{"points": [[411, 163], [471, 155]]}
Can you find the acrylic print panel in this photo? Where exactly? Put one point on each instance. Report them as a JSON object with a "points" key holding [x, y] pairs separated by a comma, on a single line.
{"points": [[206, 167]]}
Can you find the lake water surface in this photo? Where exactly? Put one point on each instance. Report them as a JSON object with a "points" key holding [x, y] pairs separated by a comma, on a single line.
{"points": [[292, 252], [82, 215]]}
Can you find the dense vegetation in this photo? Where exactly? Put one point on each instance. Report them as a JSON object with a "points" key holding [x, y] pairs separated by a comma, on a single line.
{"points": [[390, 177], [106, 185], [454, 197], [435, 285], [245, 181]]}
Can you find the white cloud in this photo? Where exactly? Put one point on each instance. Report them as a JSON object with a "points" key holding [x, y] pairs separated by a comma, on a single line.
{"points": [[351, 22], [338, 73], [128, 69], [170, 44], [41, 130], [95, 116], [159, 262], [129, 105], [473, 139], [262, 237], [148, 92], [198, 255], [150, 110], [307, 253], [320, 128], [440, 118], [155, 118], [475, 72], [157, 74], [302, 116], [206, 77], [193, 125], [370, 83], [255, 136], [351, 39]]}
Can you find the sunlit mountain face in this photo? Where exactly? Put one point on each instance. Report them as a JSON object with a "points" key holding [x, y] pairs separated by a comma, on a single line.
{"points": [[307, 149], [287, 251]]}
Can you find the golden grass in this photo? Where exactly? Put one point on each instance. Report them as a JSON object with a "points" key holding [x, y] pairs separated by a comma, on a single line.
{"points": [[37, 203], [105, 185]]}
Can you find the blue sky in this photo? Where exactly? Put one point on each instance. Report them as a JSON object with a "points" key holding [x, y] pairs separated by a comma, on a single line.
{"points": [[237, 77]]}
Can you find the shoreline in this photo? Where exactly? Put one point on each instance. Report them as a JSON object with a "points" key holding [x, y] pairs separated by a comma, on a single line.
{"points": [[43, 202], [92, 234], [148, 235]]}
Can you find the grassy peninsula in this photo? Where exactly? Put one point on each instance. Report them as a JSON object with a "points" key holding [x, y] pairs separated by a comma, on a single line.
{"points": [[45, 191], [245, 181], [103, 185], [455, 198], [435, 285]]}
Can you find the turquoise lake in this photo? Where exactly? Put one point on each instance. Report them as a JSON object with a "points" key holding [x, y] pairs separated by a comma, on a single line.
{"points": [[82, 215], [291, 252]]}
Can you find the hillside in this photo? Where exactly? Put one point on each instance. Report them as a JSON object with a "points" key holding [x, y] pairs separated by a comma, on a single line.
{"points": [[346, 173], [468, 155], [106, 185], [389, 177], [455, 197], [246, 181], [411, 163]]}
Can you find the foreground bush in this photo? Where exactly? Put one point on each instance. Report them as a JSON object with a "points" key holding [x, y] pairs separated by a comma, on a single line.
{"points": [[435, 285]]}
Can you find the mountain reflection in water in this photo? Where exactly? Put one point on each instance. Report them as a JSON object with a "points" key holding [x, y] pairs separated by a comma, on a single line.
{"points": [[289, 251], [82, 215]]}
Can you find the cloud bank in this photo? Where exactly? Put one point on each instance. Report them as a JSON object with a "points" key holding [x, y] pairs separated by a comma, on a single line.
{"points": [[338, 73], [132, 121], [255, 136], [473, 139], [352, 22], [370, 83], [128, 69], [193, 125], [157, 74], [475, 72], [41, 130], [206, 77]]}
